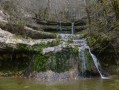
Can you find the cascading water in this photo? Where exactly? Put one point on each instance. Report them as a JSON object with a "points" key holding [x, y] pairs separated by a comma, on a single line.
{"points": [[82, 43], [94, 58], [97, 64], [72, 29], [60, 26], [83, 63]]}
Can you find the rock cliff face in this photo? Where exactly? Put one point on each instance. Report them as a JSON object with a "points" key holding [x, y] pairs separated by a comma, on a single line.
{"points": [[17, 49], [8, 36], [26, 41]]}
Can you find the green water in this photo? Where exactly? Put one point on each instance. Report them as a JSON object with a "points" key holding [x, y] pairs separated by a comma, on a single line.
{"points": [[93, 84]]}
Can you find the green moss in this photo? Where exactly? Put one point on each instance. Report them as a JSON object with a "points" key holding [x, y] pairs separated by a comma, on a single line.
{"points": [[48, 44], [40, 62], [16, 36], [58, 62], [37, 47], [24, 47], [89, 60], [45, 35], [64, 60]]}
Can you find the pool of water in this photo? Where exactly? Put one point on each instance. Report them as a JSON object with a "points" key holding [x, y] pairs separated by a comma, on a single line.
{"points": [[90, 84]]}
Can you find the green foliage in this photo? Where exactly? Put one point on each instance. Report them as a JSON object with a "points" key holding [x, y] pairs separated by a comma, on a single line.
{"points": [[99, 41], [40, 62], [91, 41]]}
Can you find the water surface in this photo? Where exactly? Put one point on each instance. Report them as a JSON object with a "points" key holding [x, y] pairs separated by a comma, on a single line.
{"points": [[90, 84]]}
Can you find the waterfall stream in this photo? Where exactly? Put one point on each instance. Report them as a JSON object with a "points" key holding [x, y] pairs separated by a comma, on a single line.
{"points": [[72, 29], [97, 64], [83, 63], [74, 40], [60, 26], [82, 43]]}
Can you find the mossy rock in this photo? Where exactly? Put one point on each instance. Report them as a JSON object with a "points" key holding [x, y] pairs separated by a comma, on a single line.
{"points": [[57, 62]]}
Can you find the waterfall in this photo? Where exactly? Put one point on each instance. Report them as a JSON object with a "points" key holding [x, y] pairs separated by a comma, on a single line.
{"points": [[97, 64], [60, 26], [83, 63], [72, 28], [94, 58], [83, 50], [83, 46]]}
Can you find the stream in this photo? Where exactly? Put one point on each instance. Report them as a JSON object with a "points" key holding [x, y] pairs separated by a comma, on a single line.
{"points": [[90, 84]]}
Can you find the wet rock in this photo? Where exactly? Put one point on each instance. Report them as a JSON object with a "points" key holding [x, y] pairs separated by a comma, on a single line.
{"points": [[50, 76]]}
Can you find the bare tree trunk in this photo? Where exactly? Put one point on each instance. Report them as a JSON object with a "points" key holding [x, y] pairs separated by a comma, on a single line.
{"points": [[88, 16], [89, 20]]}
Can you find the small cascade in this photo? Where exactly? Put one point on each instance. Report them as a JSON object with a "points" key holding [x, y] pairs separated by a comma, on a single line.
{"points": [[72, 29], [83, 63], [97, 64], [82, 44], [67, 36], [60, 26], [83, 47], [75, 40]]}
